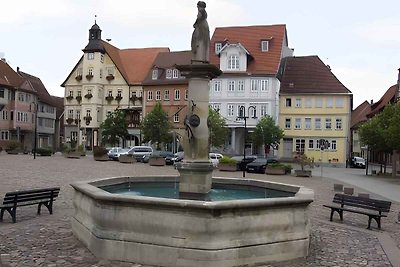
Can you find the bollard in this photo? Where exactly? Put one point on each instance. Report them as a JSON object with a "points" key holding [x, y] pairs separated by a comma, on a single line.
{"points": [[348, 190], [4, 260], [338, 187]]}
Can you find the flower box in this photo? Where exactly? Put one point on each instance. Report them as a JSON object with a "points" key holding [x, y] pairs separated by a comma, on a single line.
{"points": [[275, 171], [303, 173], [110, 77], [69, 98], [70, 120], [109, 98], [118, 98], [156, 161], [227, 167], [88, 96], [78, 78], [89, 76], [78, 98], [126, 159]]}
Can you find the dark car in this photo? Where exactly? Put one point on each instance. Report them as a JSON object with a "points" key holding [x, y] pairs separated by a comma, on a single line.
{"points": [[259, 165], [242, 162]]}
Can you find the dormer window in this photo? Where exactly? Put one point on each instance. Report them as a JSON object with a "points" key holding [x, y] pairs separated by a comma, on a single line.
{"points": [[90, 56], [169, 74], [218, 47], [264, 45], [154, 74], [233, 62], [175, 74]]}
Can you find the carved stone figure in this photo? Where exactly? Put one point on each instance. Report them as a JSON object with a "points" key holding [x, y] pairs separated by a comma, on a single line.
{"points": [[201, 36]]}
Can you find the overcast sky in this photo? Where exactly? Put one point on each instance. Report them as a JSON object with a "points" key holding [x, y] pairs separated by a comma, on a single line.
{"points": [[360, 40]]}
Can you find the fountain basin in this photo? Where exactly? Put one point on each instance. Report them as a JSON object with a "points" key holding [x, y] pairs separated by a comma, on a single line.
{"points": [[181, 232]]}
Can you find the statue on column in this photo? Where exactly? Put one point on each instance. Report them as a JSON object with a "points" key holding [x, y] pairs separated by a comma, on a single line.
{"points": [[201, 36]]}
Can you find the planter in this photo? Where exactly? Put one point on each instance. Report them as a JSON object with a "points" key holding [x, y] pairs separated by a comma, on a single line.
{"points": [[302, 173], [73, 155], [227, 167], [79, 98], [78, 78], [126, 159], [88, 96], [87, 120], [89, 76], [118, 98], [70, 120], [109, 98], [275, 171], [110, 77], [101, 158], [77, 121], [156, 161], [69, 98]]}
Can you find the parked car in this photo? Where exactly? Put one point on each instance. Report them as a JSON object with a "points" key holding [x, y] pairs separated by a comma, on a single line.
{"points": [[139, 151], [214, 158], [114, 153], [242, 163], [259, 165], [357, 162], [167, 155]]}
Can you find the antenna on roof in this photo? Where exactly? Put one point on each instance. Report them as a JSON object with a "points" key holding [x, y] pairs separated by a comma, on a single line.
{"points": [[95, 16]]}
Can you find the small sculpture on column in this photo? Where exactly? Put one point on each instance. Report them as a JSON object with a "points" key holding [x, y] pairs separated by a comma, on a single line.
{"points": [[201, 36]]}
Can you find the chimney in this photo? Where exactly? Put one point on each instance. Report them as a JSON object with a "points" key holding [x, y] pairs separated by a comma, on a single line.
{"points": [[17, 69], [372, 101]]}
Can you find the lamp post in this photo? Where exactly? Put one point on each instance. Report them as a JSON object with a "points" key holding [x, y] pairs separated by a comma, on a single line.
{"points": [[35, 131], [243, 116]]}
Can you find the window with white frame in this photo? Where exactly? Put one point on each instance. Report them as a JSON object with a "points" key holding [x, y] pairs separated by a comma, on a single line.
{"points": [[288, 102], [70, 114], [78, 114], [216, 107], [264, 45], [307, 123], [230, 110], [308, 102], [119, 92], [90, 71], [240, 109], [176, 117], [175, 74], [4, 135], [217, 86], [231, 86], [317, 123], [177, 94], [329, 102], [297, 123], [288, 123], [169, 74], [339, 102], [328, 123], [21, 97], [74, 135], [263, 85], [298, 102], [318, 102], [310, 144], [166, 94], [263, 110], [109, 93], [158, 95], [79, 72], [89, 91], [71, 93], [233, 62], [300, 145], [339, 124], [90, 56], [149, 95], [88, 113], [254, 85], [4, 115], [218, 47], [333, 145], [317, 144], [154, 74], [240, 86]]}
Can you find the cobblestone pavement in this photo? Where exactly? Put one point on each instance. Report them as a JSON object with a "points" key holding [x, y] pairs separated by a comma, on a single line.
{"points": [[47, 240]]}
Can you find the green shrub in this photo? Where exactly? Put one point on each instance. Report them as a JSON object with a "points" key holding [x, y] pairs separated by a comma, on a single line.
{"points": [[99, 151], [44, 151], [80, 148], [227, 160], [288, 168], [13, 145]]}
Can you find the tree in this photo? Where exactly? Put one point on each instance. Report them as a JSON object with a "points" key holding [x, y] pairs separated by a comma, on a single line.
{"points": [[217, 129], [114, 128], [267, 134], [156, 126]]}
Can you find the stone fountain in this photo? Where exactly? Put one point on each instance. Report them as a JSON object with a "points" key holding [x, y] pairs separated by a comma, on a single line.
{"points": [[189, 228]]}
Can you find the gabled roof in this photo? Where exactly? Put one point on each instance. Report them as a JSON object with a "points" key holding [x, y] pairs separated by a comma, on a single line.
{"points": [[38, 86], [8, 77], [238, 44], [309, 75], [388, 97], [359, 115], [168, 60], [250, 37]]}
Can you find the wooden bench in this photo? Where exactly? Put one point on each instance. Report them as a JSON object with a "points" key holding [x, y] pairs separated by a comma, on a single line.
{"points": [[12, 200], [373, 208]]}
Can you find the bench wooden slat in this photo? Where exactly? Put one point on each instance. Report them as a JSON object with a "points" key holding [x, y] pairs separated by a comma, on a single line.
{"points": [[360, 205], [12, 200]]}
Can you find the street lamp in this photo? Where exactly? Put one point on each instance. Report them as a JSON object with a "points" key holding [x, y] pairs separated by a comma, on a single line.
{"points": [[242, 116], [35, 133]]}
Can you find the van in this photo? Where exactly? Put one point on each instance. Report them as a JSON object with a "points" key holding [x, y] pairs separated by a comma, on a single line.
{"points": [[139, 151]]}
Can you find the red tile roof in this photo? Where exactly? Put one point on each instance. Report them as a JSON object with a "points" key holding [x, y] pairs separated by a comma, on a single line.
{"points": [[309, 75], [8, 77], [388, 97], [38, 86], [359, 115], [133, 64], [250, 38]]}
